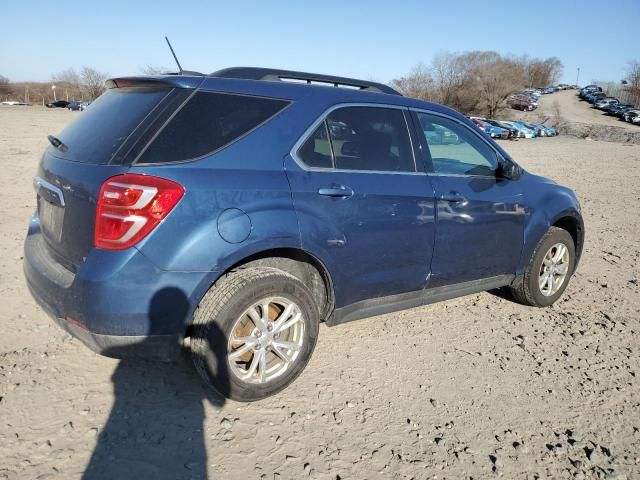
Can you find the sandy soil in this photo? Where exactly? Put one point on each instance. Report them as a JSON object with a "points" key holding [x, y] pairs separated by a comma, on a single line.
{"points": [[470, 388]]}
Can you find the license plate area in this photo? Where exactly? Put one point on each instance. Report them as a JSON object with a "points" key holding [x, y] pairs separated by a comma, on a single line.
{"points": [[51, 219]]}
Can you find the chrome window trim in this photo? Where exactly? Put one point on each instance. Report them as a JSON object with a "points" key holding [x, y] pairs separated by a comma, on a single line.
{"points": [[323, 116]]}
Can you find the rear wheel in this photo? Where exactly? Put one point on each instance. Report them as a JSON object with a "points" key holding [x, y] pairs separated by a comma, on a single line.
{"points": [[254, 333], [549, 270]]}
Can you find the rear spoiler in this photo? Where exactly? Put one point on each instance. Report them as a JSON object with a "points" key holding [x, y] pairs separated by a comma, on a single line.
{"points": [[170, 81]]}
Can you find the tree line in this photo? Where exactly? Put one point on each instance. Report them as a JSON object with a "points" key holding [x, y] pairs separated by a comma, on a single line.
{"points": [[85, 84], [477, 82]]}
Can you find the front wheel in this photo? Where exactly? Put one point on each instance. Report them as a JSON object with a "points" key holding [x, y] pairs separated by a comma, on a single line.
{"points": [[254, 332], [549, 270]]}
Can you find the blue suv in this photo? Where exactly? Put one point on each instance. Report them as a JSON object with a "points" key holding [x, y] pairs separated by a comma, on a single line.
{"points": [[230, 214]]}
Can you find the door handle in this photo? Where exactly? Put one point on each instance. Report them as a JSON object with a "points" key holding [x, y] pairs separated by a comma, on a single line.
{"points": [[453, 197], [339, 192]]}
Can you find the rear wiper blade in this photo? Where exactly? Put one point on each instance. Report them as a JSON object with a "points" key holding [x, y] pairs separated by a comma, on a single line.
{"points": [[56, 142]]}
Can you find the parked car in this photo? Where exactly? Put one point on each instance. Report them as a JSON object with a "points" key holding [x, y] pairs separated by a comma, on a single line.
{"points": [[521, 102], [589, 89], [594, 97], [221, 209], [523, 130], [492, 131], [629, 115], [544, 131], [617, 109], [508, 132], [603, 103], [81, 106], [513, 131], [57, 104]]}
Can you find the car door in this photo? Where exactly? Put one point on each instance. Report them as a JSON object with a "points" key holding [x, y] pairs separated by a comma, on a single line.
{"points": [[479, 213], [362, 207]]}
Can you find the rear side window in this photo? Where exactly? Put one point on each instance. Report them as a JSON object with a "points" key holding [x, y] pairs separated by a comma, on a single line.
{"points": [[208, 122], [97, 134], [370, 138]]}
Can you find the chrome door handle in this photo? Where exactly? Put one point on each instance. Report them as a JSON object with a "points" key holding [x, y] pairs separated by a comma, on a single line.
{"points": [[339, 192], [453, 197]]}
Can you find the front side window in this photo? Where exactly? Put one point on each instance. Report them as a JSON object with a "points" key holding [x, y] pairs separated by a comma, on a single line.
{"points": [[454, 149]]}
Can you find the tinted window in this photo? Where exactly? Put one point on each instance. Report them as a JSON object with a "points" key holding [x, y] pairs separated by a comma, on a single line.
{"points": [[98, 133], [209, 121], [370, 138], [455, 149], [316, 151]]}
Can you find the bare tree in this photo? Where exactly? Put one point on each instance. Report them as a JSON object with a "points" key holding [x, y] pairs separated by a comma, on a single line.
{"points": [[477, 82], [633, 80], [418, 84], [5, 88], [151, 70], [68, 81], [92, 81]]}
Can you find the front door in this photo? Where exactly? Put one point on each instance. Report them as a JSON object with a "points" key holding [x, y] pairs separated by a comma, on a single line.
{"points": [[480, 216], [362, 207]]}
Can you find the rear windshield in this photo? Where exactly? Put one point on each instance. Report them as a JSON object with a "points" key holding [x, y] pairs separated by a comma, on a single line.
{"points": [[208, 122], [98, 132]]}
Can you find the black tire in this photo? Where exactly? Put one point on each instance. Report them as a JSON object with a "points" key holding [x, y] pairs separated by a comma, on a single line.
{"points": [[527, 290], [222, 306]]}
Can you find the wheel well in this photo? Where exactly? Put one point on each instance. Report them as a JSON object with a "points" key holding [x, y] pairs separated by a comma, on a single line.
{"points": [[572, 226], [301, 265]]}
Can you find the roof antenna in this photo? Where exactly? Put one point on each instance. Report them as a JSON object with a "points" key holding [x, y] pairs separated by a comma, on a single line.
{"points": [[174, 54]]}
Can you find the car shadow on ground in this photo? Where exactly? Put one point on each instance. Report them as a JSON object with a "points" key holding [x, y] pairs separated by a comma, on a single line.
{"points": [[155, 429]]}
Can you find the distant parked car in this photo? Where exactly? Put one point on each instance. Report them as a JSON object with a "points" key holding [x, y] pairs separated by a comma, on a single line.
{"points": [[545, 131], [493, 132], [14, 103], [595, 96], [603, 103], [629, 115], [78, 106], [521, 102], [617, 109], [497, 124], [513, 131], [523, 131], [57, 104]]}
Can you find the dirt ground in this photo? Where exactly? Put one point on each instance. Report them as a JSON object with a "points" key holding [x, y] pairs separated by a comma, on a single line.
{"points": [[471, 388]]}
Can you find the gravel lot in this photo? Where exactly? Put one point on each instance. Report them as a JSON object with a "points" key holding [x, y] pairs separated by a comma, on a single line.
{"points": [[469, 388]]}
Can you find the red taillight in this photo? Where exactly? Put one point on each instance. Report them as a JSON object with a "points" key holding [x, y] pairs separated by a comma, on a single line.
{"points": [[130, 206]]}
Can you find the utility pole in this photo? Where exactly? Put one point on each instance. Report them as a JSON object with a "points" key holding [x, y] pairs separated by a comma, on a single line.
{"points": [[578, 76], [53, 87]]}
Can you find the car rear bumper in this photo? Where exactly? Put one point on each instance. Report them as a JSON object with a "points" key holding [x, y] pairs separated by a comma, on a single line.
{"points": [[117, 302]]}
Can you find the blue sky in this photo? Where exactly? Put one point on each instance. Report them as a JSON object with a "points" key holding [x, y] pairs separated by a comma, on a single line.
{"points": [[375, 39]]}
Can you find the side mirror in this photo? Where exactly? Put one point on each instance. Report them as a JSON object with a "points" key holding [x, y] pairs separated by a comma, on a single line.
{"points": [[507, 169]]}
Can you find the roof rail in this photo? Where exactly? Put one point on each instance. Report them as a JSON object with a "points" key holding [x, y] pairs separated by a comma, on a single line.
{"points": [[275, 75]]}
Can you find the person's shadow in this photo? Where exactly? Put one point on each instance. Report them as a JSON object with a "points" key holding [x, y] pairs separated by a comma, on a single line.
{"points": [[156, 426]]}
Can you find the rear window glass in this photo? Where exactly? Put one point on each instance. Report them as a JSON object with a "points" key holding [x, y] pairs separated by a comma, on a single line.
{"points": [[208, 122], [98, 132]]}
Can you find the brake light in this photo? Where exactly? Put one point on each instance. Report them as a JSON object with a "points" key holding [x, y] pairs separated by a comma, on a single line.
{"points": [[130, 206]]}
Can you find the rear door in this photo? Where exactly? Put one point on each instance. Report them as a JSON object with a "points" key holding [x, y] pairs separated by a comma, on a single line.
{"points": [[93, 148], [480, 216], [362, 207]]}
